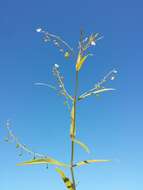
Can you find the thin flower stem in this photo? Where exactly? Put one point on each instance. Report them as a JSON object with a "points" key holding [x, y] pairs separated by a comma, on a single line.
{"points": [[74, 119], [60, 39], [61, 84], [63, 87], [107, 77], [22, 146], [74, 123]]}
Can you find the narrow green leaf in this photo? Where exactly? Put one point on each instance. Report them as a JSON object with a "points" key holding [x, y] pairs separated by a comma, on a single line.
{"points": [[72, 129], [90, 161], [43, 161], [66, 180], [103, 90], [96, 92], [84, 146]]}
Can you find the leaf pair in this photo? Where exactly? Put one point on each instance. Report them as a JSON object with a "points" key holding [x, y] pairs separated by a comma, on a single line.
{"points": [[81, 60], [67, 181], [55, 162]]}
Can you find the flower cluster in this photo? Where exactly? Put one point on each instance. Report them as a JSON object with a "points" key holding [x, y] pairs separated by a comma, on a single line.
{"points": [[60, 81], [84, 44], [110, 76], [58, 42], [11, 138], [89, 41], [98, 87]]}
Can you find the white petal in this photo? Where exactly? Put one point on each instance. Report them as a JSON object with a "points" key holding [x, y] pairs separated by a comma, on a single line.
{"points": [[85, 39], [115, 71], [56, 65], [38, 29], [112, 78], [93, 43]]}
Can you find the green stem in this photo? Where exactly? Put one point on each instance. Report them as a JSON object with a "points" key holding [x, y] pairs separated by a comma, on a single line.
{"points": [[74, 123]]}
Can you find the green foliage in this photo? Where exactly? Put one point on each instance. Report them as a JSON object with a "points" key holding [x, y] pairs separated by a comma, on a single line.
{"points": [[43, 161], [65, 179]]}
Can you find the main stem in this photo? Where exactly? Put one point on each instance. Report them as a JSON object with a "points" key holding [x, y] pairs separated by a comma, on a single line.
{"points": [[74, 123]]}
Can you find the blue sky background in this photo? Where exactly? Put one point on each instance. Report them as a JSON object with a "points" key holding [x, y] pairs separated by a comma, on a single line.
{"points": [[111, 124]]}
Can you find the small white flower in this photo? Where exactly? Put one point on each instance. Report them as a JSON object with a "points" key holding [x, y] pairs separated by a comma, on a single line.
{"points": [[115, 71], [56, 65], [112, 78], [38, 29], [85, 39], [93, 43], [56, 43], [45, 40]]}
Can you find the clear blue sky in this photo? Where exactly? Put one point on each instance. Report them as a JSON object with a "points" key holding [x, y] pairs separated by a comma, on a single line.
{"points": [[111, 124]]}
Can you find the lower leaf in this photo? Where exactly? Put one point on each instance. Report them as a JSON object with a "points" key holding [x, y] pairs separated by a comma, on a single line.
{"points": [[90, 161], [66, 180], [43, 161], [84, 146]]}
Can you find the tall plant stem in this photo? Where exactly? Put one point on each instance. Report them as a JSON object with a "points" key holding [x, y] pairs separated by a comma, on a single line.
{"points": [[74, 123]]}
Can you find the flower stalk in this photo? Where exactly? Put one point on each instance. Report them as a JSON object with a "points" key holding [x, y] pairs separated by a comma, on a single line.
{"points": [[74, 128]]}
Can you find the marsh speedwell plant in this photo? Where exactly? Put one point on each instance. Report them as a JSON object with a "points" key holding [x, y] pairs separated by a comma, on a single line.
{"points": [[85, 45]]}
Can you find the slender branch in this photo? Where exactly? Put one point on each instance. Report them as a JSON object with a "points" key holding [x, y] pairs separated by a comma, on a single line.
{"points": [[109, 76], [45, 84], [57, 40], [22, 146], [61, 84], [74, 123], [54, 88], [95, 92], [92, 39], [74, 119], [61, 40]]}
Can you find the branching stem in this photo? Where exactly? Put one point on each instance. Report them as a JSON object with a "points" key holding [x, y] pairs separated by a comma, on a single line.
{"points": [[74, 123], [22, 146]]}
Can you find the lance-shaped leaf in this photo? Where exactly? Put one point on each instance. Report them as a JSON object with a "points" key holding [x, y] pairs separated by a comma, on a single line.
{"points": [[43, 161], [90, 161], [73, 132], [45, 84], [80, 61], [96, 92], [72, 129], [84, 146], [102, 90], [66, 180]]}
